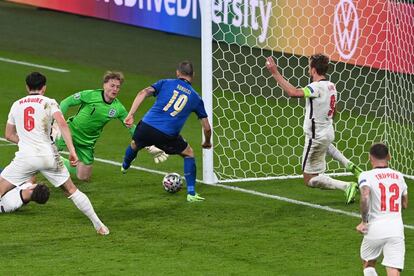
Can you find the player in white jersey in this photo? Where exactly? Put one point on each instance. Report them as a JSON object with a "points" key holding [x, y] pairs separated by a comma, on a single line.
{"points": [[29, 125], [383, 194], [321, 97], [22, 195]]}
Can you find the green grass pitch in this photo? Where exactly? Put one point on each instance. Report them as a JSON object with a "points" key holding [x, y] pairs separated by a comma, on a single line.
{"points": [[153, 232]]}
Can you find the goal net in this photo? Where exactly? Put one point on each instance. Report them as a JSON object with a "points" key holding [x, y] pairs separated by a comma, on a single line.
{"points": [[257, 130]]}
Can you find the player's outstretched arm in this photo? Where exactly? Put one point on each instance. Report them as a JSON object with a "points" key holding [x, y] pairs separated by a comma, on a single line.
{"points": [[64, 129], [72, 100], [11, 133], [122, 116], [149, 91], [207, 133], [283, 83]]}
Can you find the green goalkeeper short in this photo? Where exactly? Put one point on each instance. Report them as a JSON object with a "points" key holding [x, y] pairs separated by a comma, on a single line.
{"points": [[85, 153]]}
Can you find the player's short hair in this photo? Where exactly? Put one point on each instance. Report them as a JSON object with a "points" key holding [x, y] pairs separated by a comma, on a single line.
{"points": [[35, 81], [320, 62], [113, 75], [379, 151], [186, 68], [40, 194]]}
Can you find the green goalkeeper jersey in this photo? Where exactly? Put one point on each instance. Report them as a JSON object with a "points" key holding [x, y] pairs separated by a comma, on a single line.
{"points": [[93, 114]]}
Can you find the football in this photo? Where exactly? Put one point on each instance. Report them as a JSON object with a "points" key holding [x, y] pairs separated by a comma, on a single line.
{"points": [[172, 182]]}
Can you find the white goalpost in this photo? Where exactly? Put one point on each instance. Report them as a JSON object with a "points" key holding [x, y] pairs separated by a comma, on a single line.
{"points": [[257, 130], [207, 84]]}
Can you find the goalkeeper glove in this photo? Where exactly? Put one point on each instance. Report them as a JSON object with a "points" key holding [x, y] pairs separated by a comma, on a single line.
{"points": [[158, 154]]}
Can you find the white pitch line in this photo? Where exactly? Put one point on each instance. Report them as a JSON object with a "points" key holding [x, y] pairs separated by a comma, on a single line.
{"points": [[234, 188], [7, 145], [252, 192], [34, 65], [276, 178], [7, 141]]}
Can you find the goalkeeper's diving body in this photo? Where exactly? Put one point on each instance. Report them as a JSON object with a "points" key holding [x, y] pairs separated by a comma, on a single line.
{"points": [[321, 97], [96, 108], [175, 100]]}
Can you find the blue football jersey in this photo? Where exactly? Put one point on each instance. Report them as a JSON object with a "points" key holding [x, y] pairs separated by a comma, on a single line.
{"points": [[176, 99]]}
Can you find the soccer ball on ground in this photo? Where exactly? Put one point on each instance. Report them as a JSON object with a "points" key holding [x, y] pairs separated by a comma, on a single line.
{"points": [[172, 182]]}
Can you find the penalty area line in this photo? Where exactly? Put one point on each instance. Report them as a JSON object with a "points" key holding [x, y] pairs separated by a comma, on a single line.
{"points": [[242, 190], [34, 65]]}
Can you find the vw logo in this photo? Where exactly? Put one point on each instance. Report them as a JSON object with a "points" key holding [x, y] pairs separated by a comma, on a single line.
{"points": [[346, 28]]}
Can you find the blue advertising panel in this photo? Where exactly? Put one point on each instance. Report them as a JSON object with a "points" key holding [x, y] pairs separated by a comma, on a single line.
{"points": [[175, 16]]}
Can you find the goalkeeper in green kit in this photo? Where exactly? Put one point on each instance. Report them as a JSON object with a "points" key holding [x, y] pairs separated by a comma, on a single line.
{"points": [[96, 109]]}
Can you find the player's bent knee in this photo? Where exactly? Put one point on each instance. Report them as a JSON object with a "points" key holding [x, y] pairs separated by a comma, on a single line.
{"points": [[392, 271], [5, 186], [133, 145], [84, 172], [188, 152], [83, 177], [370, 263], [68, 187]]}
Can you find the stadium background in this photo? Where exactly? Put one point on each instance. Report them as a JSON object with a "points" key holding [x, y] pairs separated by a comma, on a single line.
{"points": [[154, 232]]}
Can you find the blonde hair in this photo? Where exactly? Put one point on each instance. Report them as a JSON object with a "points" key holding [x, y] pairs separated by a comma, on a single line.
{"points": [[113, 75]]}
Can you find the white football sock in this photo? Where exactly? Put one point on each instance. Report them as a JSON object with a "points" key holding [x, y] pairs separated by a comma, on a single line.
{"points": [[337, 155], [11, 201], [84, 204], [325, 182], [370, 271]]}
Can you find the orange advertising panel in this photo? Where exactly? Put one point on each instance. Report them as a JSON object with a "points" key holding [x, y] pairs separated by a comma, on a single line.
{"points": [[375, 33]]}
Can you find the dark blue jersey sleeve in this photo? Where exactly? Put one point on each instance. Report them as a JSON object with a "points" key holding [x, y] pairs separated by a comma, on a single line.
{"points": [[157, 86]]}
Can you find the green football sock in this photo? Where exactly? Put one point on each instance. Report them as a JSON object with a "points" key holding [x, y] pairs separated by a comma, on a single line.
{"points": [[66, 162]]}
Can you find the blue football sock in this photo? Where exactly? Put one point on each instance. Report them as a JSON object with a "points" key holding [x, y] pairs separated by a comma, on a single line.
{"points": [[130, 155], [1, 170], [190, 174]]}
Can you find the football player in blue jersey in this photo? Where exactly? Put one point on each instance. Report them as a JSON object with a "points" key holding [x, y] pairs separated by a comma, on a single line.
{"points": [[176, 99]]}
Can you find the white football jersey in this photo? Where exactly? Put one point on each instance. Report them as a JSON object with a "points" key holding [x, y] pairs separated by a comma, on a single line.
{"points": [[387, 187], [321, 99], [32, 116], [13, 199]]}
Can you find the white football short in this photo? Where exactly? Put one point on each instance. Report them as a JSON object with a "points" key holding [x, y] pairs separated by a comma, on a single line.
{"points": [[22, 168], [314, 154], [392, 248]]}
